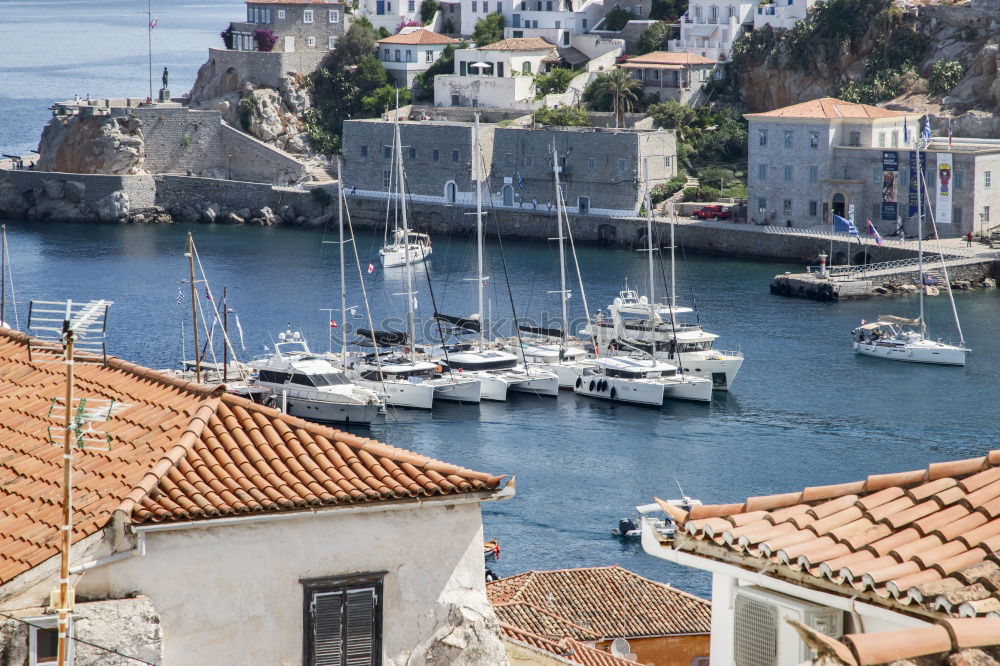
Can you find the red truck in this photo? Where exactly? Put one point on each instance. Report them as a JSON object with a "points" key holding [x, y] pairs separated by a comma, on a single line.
{"points": [[715, 212]]}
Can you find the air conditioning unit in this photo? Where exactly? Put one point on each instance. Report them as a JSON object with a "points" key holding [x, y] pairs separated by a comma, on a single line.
{"points": [[762, 637]]}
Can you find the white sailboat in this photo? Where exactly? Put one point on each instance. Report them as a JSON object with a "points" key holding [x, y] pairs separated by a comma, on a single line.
{"points": [[405, 247], [629, 379], [498, 370], [408, 380], [903, 339]]}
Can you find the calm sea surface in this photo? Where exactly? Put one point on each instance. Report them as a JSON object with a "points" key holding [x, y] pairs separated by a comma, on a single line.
{"points": [[804, 411]]}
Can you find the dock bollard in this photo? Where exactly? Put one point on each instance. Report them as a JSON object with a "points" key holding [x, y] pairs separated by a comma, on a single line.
{"points": [[822, 265]]}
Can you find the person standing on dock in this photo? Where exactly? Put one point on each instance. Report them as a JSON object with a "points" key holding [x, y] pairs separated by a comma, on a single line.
{"points": [[968, 239]]}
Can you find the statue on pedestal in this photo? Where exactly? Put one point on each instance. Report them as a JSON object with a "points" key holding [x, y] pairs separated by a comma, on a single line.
{"points": [[165, 90]]}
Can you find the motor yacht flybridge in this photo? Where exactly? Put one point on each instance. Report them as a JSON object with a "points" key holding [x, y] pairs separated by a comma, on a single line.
{"points": [[903, 339], [310, 387]]}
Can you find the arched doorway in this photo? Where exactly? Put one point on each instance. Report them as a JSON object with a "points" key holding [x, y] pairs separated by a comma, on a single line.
{"points": [[508, 195], [839, 205], [450, 192]]}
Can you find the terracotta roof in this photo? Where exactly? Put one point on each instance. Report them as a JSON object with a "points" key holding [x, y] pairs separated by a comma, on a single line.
{"points": [[609, 601], [567, 648], [519, 44], [180, 451], [831, 109], [670, 58], [928, 539], [532, 618], [956, 637], [421, 37]]}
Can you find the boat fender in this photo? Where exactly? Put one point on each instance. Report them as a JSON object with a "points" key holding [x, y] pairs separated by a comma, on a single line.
{"points": [[591, 385], [603, 386], [579, 381], [613, 392], [438, 368]]}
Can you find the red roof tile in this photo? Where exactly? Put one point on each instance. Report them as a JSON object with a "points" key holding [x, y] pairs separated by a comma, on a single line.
{"points": [[610, 601], [180, 451], [570, 650], [830, 109], [421, 37], [519, 44], [929, 537]]}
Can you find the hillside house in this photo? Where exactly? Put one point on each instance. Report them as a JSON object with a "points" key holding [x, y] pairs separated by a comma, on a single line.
{"points": [[883, 558], [552, 20], [672, 76], [781, 14], [217, 531], [298, 25], [409, 53], [593, 606], [496, 75], [390, 14], [709, 28]]}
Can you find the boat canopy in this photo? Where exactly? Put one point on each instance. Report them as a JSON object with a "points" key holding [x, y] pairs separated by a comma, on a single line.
{"points": [[646, 509], [465, 323], [892, 319], [383, 338], [540, 330], [695, 336]]}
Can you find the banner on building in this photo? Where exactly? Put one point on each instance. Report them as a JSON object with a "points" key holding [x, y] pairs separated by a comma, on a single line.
{"points": [[890, 160], [942, 208], [890, 171], [913, 180]]}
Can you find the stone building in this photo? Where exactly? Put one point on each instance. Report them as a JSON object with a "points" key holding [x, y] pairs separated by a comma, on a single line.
{"points": [[212, 530], [409, 53], [709, 27], [298, 25], [601, 169], [672, 76], [826, 156]]}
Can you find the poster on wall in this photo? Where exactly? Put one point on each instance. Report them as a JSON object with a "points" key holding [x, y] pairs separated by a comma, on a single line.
{"points": [[942, 208], [890, 173], [913, 180]]}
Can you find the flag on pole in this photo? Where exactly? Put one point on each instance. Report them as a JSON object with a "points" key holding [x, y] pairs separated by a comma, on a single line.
{"points": [[180, 295], [240, 329], [873, 232], [949, 133], [155, 22], [843, 224], [333, 324], [927, 128], [208, 294], [371, 268], [520, 181], [906, 132]]}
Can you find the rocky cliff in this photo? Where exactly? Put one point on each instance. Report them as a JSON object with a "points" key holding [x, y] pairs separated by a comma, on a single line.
{"points": [[93, 144], [273, 115], [888, 57]]}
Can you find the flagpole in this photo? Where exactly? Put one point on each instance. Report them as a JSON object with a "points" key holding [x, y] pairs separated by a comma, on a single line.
{"points": [[149, 39]]}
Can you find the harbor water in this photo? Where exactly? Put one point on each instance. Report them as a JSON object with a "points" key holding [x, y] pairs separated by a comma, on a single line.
{"points": [[805, 410]]}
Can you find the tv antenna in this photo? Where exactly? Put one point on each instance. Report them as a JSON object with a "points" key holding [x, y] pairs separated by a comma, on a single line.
{"points": [[71, 332]]}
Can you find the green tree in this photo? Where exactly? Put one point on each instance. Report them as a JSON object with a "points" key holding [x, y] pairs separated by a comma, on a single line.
{"points": [[428, 9], [945, 75], [555, 81], [617, 18], [653, 38], [718, 175], [672, 115], [489, 29], [382, 99], [563, 116], [622, 88], [667, 9], [445, 64], [359, 41]]}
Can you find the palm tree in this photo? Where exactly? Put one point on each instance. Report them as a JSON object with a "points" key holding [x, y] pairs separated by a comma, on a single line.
{"points": [[620, 85]]}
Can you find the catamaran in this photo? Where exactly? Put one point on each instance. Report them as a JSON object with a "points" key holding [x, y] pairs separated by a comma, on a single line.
{"points": [[904, 339], [499, 371]]}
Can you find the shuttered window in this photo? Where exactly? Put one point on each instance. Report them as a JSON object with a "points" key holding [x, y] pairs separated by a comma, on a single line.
{"points": [[343, 621]]}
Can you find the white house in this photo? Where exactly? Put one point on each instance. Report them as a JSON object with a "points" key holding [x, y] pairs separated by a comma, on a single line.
{"points": [[781, 14], [496, 75], [709, 27], [671, 75], [409, 53], [889, 553], [389, 14], [554, 20], [249, 536]]}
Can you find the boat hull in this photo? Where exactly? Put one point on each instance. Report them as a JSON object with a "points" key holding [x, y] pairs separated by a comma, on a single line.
{"points": [[540, 383], [616, 389], [402, 394], [334, 412], [466, 391], [393, 258], [934, 354], [698, 389]]}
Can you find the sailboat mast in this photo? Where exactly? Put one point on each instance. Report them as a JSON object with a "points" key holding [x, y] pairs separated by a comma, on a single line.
{"points": [[194, 309], [479, 227], [343, 275], [920, 236], [649, 241], [406, 237], [673, 269], [225, 332], [149, 40], [562, 251], [3, 273]]}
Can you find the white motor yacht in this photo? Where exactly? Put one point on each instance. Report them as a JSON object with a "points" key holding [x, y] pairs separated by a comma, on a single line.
{"points": [[405, 246], [624, 380], [900, 339], [310, 387], [413, 383]]}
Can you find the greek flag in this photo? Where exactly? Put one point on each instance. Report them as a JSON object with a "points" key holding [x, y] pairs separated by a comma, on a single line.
{"points": [[180, 295], [906, 132], [843, 224], [520, 181], [927, 128], [872, 231]]}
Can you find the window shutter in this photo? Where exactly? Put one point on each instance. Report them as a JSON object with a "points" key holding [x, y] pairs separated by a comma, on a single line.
{"points": [[327, 613], [361, 627]]}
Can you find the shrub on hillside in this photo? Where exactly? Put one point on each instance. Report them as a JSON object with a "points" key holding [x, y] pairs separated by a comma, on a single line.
{"points": [[428, 9], [945, 75], [564, 116], [617, 18], [556, 81]]}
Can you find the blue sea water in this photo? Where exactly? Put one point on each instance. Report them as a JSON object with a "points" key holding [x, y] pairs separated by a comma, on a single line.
{"points": [[55, 49], [804, 411]]}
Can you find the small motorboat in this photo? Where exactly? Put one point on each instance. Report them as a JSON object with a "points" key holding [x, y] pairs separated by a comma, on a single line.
{"points": [[631, 528]]}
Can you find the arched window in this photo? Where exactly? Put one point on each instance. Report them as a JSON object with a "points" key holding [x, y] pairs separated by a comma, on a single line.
{"points": [[450, 192]]}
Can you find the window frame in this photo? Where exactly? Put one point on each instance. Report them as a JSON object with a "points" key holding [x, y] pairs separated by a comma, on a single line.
{"points": [[987, 179], [311, 42], [333, 16], [307, 16], [281, 14], [331, 42], [789, 139], [48, 623], [345, 583]]}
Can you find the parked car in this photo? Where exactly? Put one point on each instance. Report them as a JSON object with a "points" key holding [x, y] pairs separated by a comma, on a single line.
{"points": [[714, 212]]}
